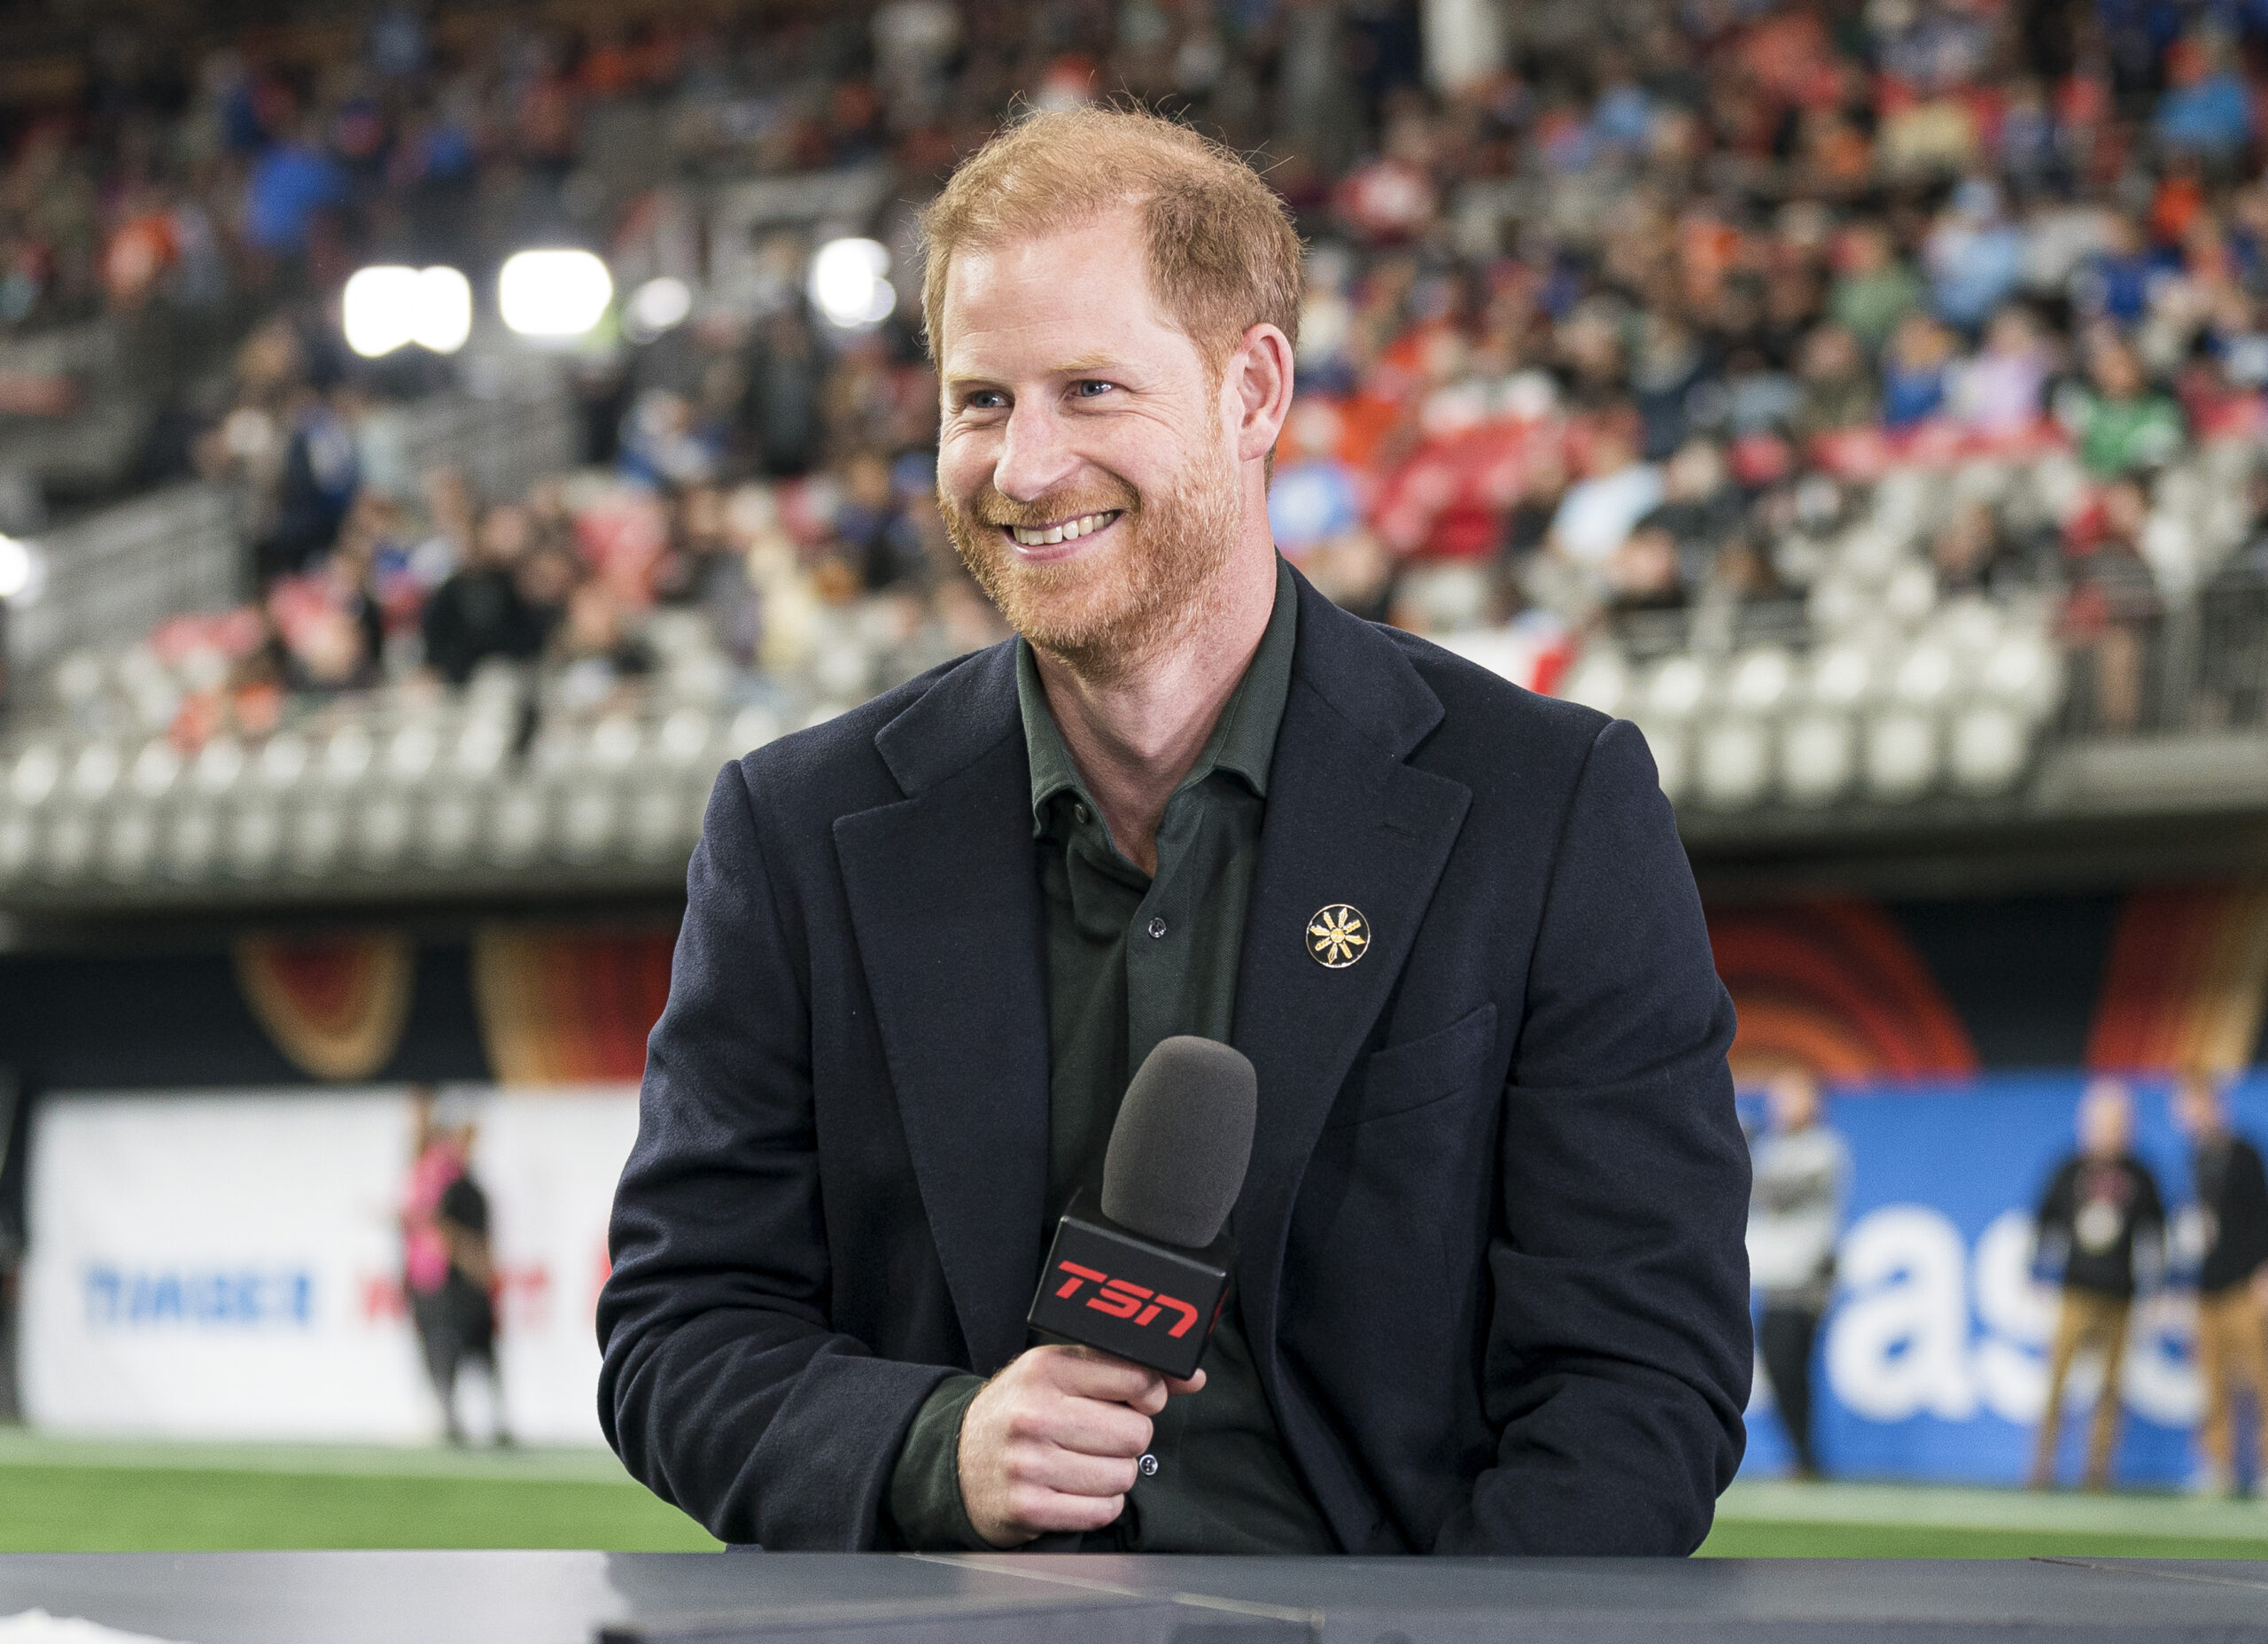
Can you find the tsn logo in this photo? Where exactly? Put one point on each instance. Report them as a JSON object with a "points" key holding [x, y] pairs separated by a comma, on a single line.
{"points": [[1123, 1300]]}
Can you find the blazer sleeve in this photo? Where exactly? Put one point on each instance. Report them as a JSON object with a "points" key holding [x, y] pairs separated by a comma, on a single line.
{"points": [[723, 1388], [1619, 1349]]}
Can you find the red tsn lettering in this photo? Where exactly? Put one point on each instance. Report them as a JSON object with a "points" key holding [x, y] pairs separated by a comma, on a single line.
{"points": [[1188, 1315], [1119, 1300], [1071, 1285], [1122, 1298]]}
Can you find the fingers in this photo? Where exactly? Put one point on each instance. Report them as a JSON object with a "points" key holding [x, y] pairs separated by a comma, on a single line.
{"points": [[1179, 1384], [1088, 1374], [1037, 1512], [1067, 1472]]}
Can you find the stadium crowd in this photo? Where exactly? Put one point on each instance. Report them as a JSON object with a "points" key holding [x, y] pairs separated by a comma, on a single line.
{"points": [[1615, 318]]}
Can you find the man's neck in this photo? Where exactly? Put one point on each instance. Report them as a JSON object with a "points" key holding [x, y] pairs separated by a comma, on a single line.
{"points": [[1135, 733]]}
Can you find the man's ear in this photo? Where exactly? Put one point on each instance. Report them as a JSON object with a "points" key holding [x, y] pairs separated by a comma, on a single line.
{"points": [[1259, 375]]}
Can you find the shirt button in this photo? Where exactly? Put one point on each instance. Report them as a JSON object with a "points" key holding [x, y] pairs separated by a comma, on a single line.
{"points": [[1157, 927], [1083, 815], [1149, 1466]]}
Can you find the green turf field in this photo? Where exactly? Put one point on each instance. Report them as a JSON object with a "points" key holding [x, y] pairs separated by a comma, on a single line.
{"points": [[75, 1495], [69, 1496], [1772, 1520]]}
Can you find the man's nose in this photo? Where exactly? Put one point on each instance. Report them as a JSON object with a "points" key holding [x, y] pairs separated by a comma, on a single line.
{"points": [[1034, 456]]}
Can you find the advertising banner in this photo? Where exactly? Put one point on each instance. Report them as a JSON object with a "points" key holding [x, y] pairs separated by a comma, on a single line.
{"points": [[1932, 1361], [231, 1266]]}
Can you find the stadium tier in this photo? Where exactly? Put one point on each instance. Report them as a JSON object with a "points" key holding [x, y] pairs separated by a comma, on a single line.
{"points": [[437, 441]]}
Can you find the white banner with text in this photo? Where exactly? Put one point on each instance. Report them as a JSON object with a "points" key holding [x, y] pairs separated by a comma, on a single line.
{"points": [[231, 1265]]}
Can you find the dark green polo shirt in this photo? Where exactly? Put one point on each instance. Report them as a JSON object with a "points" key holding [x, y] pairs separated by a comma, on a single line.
{"points": [[1132, 959]]}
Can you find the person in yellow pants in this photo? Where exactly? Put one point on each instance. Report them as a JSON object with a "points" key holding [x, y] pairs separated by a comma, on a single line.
{"points": [[2101, 1225], [2232, 1276]]}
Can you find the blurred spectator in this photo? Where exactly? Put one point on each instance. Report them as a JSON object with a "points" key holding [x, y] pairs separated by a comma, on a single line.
{"points": [[1838, 387], [2232, 1276], [2121, 423], [320, 472], [591, 650], [1875, 289], [2102, 1226], [1975, 256], [1802, 1173], [1598, 512], [1972, 555], [2002, 391], [480, 612], [2207, 109], [1915, 367], [2113, 603], [1641, 574]]}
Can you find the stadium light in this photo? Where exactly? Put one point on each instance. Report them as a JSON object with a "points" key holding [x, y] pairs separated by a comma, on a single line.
{"points": [[660, 304], [444, 310], [850, 284], [23, 572], [553, 293], [387, 307]]}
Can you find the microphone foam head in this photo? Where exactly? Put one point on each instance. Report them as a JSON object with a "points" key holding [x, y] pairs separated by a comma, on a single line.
{"points": [[1184, 1136]]}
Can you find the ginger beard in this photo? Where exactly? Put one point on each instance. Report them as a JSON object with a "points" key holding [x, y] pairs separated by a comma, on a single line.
{"points": [[1150, 579]]}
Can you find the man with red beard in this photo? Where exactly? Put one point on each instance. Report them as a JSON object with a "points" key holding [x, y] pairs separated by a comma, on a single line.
{"points": [[1490, 1294]]}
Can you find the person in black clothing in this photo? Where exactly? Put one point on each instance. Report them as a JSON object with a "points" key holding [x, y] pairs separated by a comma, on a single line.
{"points": [[2232, 1274], [2102, 1223], [479, 611], [449, 1266]]}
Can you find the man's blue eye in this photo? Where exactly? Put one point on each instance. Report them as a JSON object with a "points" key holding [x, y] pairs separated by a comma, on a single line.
{"points": [[1091, 388]]}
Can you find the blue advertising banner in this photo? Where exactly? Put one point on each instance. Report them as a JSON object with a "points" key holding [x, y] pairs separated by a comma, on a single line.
{"points": [[1931, 1364]]}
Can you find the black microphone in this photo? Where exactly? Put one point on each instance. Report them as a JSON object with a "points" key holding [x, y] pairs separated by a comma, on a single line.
{"points": [[1144, 1274]]}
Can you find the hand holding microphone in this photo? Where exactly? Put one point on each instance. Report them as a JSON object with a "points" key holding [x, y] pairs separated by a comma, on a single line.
{"points": [[1053, 1442]]}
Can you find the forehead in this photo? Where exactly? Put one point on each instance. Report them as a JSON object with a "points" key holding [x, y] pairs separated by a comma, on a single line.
{"points": [[1036, 303]]}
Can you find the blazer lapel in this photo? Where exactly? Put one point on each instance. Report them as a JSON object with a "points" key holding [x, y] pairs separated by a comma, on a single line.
{"points": [[1348, 822], [945, 903]]}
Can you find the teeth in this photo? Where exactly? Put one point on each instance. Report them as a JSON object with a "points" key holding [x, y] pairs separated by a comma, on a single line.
{"points": [[1070, 531]]}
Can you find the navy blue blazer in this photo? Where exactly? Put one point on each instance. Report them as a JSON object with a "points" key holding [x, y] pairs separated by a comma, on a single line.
{"points": [[1490, 1249]]}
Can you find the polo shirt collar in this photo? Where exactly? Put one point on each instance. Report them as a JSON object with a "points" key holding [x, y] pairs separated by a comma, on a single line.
{"points": [[1243, 740]]}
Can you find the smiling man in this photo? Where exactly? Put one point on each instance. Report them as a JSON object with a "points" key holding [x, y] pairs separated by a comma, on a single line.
{"points": [[1491, 1294]]}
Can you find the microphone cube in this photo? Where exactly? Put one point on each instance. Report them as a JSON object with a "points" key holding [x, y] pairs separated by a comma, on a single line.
{"points": [[1120, 1293]]}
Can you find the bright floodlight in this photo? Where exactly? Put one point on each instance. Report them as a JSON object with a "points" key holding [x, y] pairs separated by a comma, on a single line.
{"points": [[387, 307], [553, 293], [20, 569], [850, 283], [444, 310], [379, 309], [656, 306]]}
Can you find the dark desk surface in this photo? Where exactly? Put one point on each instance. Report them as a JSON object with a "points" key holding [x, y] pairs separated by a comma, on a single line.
{"points": [[693, 1598]]}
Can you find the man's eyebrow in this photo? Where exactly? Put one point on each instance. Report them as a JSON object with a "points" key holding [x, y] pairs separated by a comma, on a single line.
{"points": [[1084, 365]]}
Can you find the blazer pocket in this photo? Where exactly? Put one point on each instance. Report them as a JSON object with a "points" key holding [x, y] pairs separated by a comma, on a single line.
{"points": [[1417, 1073]]}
